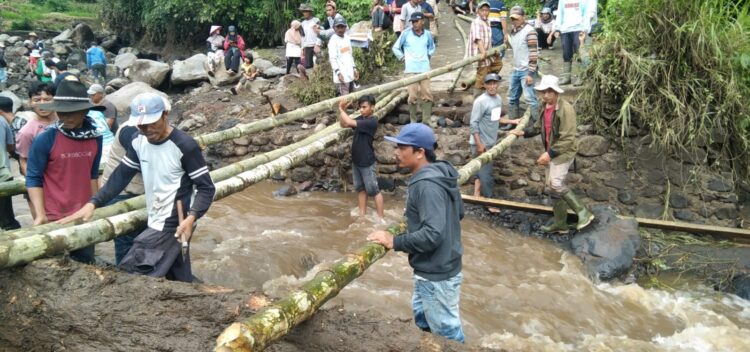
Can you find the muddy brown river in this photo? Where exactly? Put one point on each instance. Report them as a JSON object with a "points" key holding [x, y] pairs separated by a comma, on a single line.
{"points": [[519, 293]]}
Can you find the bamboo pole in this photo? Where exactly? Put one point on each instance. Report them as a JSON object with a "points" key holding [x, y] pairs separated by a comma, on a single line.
{"points": [[273, 322], [466, 41], [216, 175], [465, 18], [469, 82], [27, 249], [473, 166], [273, 121]]}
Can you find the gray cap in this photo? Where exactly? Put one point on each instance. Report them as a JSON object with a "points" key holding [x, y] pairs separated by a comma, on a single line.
{"points": [[95, 88], [339, 21], [491, 77]]}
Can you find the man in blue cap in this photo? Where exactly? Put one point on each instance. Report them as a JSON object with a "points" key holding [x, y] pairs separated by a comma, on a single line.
{"points": [[171, 164], [434, 210]]}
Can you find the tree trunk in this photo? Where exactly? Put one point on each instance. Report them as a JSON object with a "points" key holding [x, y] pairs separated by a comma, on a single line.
{"points": [[216, 175], [40, 245], [273, 322]]}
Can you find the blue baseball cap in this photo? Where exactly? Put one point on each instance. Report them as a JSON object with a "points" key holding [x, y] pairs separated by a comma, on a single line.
{"points": [[415, 134], [146, 108]]}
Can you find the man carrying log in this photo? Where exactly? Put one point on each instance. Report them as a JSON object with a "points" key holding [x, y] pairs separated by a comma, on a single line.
{"points": [[415, 46], [480, 42], [558, 130], [171, 164], [434, 210]]}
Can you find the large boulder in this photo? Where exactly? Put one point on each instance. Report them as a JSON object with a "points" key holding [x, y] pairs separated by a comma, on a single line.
{"points": [[4, 38], [262, 64], [222, 77], [273, 72], [608, 245], [82, 35], [122, 97], [16, 100], [125, 60], [592, 145], [63, 37], [118, 83], [149, 71], [259, 85], [60, 49], [192, 70]]}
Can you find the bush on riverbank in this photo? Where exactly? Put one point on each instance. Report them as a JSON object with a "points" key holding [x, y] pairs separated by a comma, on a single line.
{"points": [[679, 69]]}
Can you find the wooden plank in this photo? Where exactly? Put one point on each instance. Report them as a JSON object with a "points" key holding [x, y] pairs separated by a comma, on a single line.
{"points": [[725, 232]]}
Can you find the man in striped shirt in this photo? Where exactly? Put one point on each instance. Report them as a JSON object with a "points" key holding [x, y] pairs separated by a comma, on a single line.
{"points": [[171, 164], [480, 41], [523, 40]]}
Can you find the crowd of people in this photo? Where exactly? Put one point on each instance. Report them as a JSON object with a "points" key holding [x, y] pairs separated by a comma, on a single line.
{"points": [[72, 129]]}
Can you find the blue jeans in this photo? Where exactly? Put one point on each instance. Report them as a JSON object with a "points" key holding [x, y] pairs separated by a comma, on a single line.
{"points": [[517, 83], [123, 242], [435, 306]]}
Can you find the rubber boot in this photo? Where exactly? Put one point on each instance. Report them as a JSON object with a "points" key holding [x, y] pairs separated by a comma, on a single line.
{"points": [[427, 114], [413, 113], [514, 112], [560, 223], [577, 81], [567, 67], [584, 215]]}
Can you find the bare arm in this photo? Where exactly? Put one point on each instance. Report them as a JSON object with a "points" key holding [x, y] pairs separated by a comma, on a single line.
{"points": [[344, 120], [36, 195]]}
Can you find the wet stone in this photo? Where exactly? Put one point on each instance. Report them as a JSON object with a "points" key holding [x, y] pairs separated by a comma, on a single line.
{"points": [[278, 177], [599, 194], [649, 211], [285, 191], [731, 198], [678, 201], [386, 184], [302, 174], [608, 245], [626, 197], [651, 191], [619, 181], [719, 185], [726, 213], [685, 215], [592, 146]]}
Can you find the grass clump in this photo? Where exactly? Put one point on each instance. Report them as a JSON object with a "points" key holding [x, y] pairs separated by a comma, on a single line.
{"points": [[678, 69]]}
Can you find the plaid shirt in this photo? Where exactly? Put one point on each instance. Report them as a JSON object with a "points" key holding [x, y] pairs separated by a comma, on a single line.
{"points": [[480, 30]]}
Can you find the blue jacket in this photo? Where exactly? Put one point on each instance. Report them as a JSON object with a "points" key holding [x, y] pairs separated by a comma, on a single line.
{"points": [[434, 210], [95, 55], [415, 50]]}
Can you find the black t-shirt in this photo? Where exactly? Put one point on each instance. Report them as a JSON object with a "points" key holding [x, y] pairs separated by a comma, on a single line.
{"points": [[362, 153]]}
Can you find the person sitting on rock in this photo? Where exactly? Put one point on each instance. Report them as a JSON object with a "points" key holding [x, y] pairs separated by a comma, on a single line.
{"points": [[558, 131], [363, 154], [249, 72], [381, 19], [214, 48], [545, 29], [96, 62], [234, 49]]}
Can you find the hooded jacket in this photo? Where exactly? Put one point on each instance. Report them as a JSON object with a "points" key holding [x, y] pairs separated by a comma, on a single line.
{"points": [[434, 210]]}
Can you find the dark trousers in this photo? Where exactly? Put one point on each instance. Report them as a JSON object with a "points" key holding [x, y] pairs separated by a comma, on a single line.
{"points": [[99, 70], [309, 54], [292, 62], [570, 44], [232, 59], [7, 216], [123, 243], [542, 39]]}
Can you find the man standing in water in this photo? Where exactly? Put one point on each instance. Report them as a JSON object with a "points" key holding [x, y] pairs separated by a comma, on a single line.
{"points": [[558, 127], [171, 164], [434, 210]]}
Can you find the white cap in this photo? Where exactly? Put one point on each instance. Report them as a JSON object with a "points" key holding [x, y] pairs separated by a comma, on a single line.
{"points": [[549, 81], [95, 88]]}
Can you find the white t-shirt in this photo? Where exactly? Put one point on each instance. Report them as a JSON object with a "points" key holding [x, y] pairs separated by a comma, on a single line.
{"points": [[342, 60]]}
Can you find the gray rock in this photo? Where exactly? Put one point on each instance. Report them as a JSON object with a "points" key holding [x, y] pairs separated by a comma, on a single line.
{"points": [[13, 39], [128, 50], [108, 44], [649, 211], [17, 102], [243, 141], [262, 64], [302, 174], [741, 286], [278, 176], [63, 37], [592, 145], [387, 169], [619, 181], [608, 245], [384, 153], [123, 96], [693, 156], [260, 140], [719, 185], [259, 85], [726, 213], [82, 35], [221, 77], [685, 215], [535, 177], [112, 70], [519, 183], [285, 191], [678, 200], [149, 71], [118, 83], [241, 151], [4, 37], [599, 194], [190, 71], [75, 58], [626, 197], [60, 49], [386, 184], [273, 72], [124, 61]]}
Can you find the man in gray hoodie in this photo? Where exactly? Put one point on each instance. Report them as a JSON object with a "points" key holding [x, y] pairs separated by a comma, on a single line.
{"points": [[434, 210]]}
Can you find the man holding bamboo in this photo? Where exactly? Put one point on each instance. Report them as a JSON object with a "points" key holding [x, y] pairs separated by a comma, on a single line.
{"points": [[415, 46], [434, 210], [171, 164], [558, 131], [480, 42]]}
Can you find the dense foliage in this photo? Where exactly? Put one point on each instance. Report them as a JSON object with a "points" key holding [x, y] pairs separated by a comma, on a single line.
{"points": [[679, 69], [181, 22]]}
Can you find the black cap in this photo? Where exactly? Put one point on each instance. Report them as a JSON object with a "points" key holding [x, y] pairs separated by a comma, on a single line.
{"points": [[6, 104], [70, 96], [416, 16]]}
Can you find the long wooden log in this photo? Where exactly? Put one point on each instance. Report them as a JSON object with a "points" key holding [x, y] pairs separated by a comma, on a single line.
{"points": [[273, 121], [466, 40], [473, 166], [27, 249], [273, 322], [216, 175]]}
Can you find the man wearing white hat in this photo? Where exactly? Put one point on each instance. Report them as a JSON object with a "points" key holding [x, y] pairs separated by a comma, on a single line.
{"points": [[558, 131], [171, 164]]}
